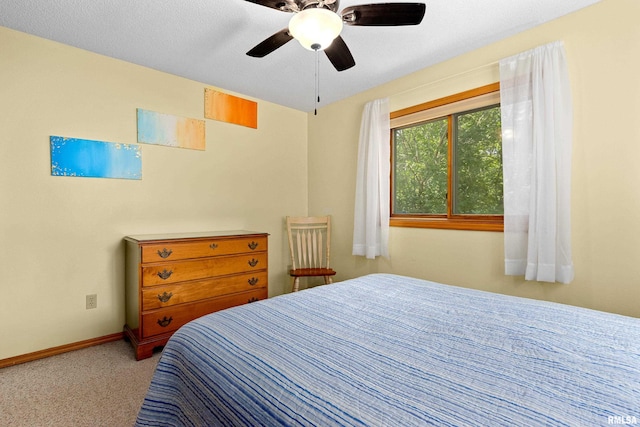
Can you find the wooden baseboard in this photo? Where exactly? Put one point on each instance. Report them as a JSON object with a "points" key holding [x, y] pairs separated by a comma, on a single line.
{"points": [[59, 350]]}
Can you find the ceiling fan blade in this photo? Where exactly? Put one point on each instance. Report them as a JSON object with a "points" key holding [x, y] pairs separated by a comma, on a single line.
{"points": [[282, 5], [384, 14], [339, 55], [270, 44]]}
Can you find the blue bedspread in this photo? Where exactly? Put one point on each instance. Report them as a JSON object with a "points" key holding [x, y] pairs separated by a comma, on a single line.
{"points": [[386, 350]]}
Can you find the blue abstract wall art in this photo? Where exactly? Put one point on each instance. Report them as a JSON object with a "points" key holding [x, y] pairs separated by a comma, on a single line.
{"points": [[94, 159]]}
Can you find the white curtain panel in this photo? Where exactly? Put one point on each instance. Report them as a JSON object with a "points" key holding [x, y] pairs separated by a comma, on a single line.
{"points": [[537, 121], [371, 217]]}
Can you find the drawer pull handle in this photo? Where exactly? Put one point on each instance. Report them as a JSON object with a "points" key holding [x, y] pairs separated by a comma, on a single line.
{"points": [[253, 299], [165, 296], [253, 245], [253, 281], [213, 246], [164, 322], [164, 274], [164, 253], [253, 262]]}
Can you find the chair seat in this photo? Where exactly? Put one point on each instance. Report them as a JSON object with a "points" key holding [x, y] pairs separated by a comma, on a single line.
{"points": [[307, 272]]}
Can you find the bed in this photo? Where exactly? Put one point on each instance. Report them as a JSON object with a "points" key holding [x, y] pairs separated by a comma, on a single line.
{"points": [[388, 350]]}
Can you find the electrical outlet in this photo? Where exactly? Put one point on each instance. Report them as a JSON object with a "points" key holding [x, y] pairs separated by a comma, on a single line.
{"points": [[92, 301]]}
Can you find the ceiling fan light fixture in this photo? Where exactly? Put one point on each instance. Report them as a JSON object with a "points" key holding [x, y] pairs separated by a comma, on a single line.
{"points": [[315, 28]]}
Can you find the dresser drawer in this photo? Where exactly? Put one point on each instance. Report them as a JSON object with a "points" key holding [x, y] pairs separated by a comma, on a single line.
{"points": [[170, 319], [171, 251], [168, 295], [172, 272]]}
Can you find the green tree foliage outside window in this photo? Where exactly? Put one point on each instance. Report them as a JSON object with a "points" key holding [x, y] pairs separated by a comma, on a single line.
{"points": [[420, 168], [421, 165]]}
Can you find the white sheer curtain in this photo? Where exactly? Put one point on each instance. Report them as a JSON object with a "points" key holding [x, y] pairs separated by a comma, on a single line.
{"points": [[371, 217], [537, 120]]}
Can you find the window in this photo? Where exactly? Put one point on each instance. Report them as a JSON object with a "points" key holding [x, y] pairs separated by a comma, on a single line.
{"points": [[446, 163]]}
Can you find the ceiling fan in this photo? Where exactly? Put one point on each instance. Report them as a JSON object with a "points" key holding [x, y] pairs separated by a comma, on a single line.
{"points": [[316, 24]]}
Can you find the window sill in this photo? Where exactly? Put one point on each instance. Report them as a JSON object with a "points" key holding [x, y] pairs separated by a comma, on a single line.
{"points": [[449, 224]]}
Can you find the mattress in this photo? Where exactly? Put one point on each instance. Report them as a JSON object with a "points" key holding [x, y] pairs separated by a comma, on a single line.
{"points": [[388, 350]]}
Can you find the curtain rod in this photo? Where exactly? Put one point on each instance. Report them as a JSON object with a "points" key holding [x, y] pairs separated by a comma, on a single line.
{"points": [[446, 78]]}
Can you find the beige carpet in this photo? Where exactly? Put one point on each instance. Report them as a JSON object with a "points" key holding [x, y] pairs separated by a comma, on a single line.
{"points": [[97, 386]]}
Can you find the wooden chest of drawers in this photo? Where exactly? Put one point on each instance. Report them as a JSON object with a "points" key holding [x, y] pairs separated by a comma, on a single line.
{"points": [[172, 279]]}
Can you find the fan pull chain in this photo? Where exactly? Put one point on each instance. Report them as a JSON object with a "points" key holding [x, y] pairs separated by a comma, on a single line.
{"points": [[316, 47]]}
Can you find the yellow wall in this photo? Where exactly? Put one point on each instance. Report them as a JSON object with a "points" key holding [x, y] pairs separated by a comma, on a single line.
{"points": [[61, 237], [602, 42]]}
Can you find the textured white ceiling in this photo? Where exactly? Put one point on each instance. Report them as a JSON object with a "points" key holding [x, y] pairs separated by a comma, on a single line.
{"points": [[206, 40]]}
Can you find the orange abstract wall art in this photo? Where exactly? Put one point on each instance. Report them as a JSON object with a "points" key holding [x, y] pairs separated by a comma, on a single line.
{"points": [[231, 109]]}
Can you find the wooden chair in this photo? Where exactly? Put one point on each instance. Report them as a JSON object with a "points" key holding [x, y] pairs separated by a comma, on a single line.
{"points": [[309, 243]]}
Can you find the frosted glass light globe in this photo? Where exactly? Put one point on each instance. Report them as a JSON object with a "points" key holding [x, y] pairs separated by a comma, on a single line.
{"points": [[315, 28]]}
